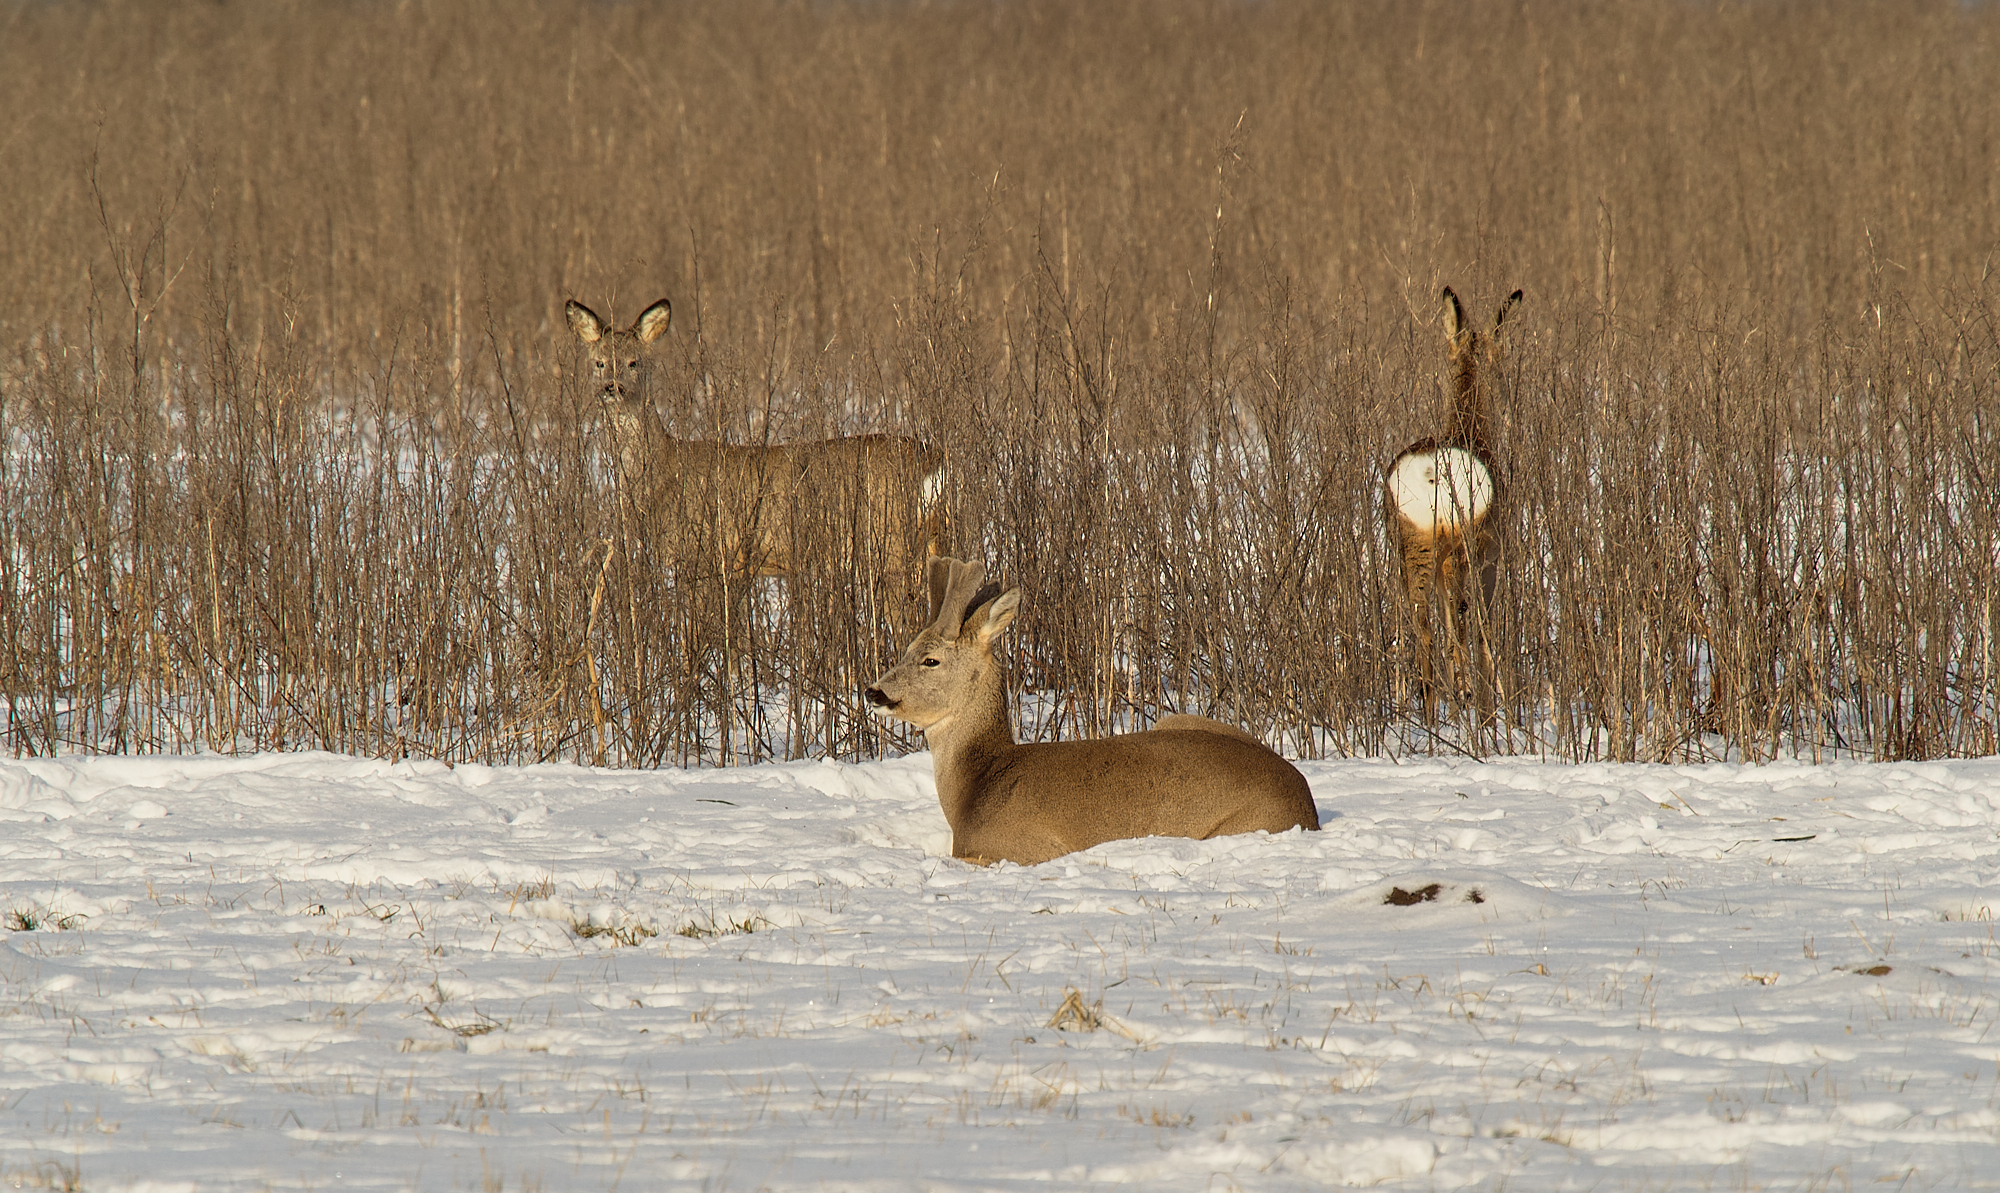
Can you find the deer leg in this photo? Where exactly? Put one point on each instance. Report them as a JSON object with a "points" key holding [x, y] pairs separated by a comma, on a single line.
{"points": [[1451, 584], [1488, 678], [1418, 562], [1464, 673]]}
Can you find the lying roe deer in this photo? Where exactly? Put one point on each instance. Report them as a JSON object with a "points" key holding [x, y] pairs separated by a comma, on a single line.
{"points": [[1444, 497], [886, 488], [1186, 777]]}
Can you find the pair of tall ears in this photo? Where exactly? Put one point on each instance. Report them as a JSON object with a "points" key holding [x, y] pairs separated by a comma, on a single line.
{"points": [[1454, 317], [649, 326], [962, 598]]}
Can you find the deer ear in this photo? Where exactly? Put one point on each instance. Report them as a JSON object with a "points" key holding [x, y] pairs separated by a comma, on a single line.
{"points": [[652, 322], [938, 572], [1506, 309], [584, 322], [1454, 316], [993, 618]]}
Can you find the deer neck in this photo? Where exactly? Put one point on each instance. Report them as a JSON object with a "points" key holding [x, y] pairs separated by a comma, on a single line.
{"points": [[1468, 403], [972, 743], [642, 439]]}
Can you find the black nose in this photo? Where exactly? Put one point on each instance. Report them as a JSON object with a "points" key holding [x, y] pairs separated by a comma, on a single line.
{"points": [[878, 698]]}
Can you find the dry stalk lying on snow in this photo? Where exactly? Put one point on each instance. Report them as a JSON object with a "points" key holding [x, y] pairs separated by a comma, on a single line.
{"points": [[1073, 1015]]}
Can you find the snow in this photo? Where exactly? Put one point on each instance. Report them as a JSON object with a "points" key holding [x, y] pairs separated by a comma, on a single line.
{"points": [[307, 971]]}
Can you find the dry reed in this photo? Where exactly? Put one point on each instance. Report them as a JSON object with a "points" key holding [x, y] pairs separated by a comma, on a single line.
{"points": [[296, 456]]}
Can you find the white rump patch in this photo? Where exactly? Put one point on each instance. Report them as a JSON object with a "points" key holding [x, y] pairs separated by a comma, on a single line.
{"points": [[931, 490], [1444, 489]]}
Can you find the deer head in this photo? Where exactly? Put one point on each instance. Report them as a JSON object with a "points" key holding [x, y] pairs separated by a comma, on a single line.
{"points": [[620, 367], [950, 660]]}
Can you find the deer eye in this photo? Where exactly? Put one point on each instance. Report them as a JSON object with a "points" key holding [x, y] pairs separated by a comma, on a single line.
{"points": [[932, 662], [598, 365], [632, 364]]}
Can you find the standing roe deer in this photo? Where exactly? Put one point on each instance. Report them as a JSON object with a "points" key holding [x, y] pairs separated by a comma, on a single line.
{"points": [[1444, 496], [887, 489], [1186, 777]]}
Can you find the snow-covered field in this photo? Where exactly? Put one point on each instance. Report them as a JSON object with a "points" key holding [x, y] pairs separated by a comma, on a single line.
{"points": [[309, 971]]}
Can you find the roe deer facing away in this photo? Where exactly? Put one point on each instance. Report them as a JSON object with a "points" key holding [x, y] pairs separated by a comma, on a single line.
{"points": [[1187, 777], [1444, 497], [882, 489]]}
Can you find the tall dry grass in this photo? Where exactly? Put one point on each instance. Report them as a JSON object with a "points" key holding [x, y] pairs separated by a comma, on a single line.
{"points": [[296, 455]]}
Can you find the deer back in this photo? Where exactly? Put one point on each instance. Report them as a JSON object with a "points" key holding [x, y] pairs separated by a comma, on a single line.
{"points": [[750, 504], [1441, 491], [1046, 799]]}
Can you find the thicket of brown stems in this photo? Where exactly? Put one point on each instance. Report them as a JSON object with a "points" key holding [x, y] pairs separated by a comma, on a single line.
{"points": [[297, 454]]}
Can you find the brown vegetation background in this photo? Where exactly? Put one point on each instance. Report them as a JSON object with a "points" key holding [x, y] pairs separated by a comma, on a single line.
{"points": [[296, 455]]}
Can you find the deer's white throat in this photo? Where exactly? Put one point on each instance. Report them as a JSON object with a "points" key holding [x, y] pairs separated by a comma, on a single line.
{"points": [[1445, 489]]}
